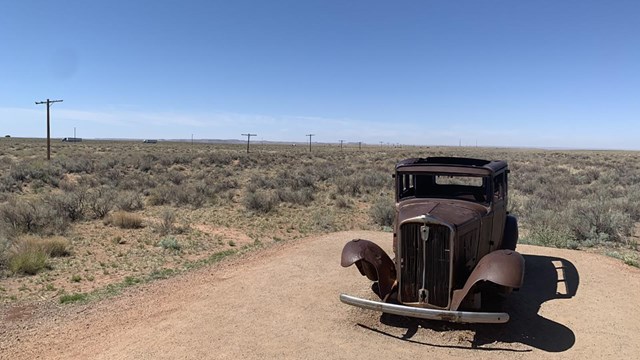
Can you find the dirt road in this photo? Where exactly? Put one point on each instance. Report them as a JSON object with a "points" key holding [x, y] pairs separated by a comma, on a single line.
{"points": [[283, 302]]}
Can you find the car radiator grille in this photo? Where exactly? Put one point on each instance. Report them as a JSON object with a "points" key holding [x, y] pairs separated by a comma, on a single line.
{"points": [[425, 265]]}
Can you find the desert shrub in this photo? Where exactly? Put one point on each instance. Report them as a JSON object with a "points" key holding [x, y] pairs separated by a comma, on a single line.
{"points": [[167, 160], [30, 216], [129, 201], [37, 170], [261, 201], [225, 185], [167, 222], [300, 197], [161, 195], [176, 177], [342, 202], [100, 201], [218, 158], [69, 204], [125, 220], [145, 162], [349, 185], [550, 236], [170, 243], [257, 182], [76, 164], [137, 181], [382, 211], [111, 177], [194, 195], [7, 184], [376, 180], [5, 243], [600, 219]]}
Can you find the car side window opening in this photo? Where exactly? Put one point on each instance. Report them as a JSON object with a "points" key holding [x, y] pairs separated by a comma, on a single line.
{"points": [[499, 191]]}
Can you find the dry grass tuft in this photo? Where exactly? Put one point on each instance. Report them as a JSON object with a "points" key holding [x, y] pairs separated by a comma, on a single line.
{"points": [[125, 220]]}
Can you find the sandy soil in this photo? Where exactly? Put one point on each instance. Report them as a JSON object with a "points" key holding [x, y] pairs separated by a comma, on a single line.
{"points": [[282, 302]]}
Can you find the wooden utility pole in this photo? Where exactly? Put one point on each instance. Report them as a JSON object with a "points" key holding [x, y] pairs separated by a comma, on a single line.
{"points": [[310, 135], [249, 135], [49, 103]]}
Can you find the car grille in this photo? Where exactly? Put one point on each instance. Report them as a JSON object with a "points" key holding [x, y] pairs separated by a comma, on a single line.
{"points": [[435, 270]]}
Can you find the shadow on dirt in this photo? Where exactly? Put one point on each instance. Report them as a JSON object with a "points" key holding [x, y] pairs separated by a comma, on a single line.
{"points": [[546, 278]]}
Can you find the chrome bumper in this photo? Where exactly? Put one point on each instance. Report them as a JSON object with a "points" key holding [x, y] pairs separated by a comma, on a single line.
{"points": [[430, 314]]}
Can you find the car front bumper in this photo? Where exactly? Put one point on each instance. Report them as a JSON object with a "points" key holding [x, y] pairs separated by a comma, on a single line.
{"points": [[429, 314]]}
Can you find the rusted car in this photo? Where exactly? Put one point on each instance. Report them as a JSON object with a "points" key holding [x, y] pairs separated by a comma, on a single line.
{"points": [[453, 240]]}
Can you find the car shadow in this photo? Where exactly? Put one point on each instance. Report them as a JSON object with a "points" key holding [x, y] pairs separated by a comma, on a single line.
{"points": [[546, 278]]}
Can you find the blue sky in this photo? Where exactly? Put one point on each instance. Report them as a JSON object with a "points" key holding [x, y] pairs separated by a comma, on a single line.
{"points": [[502, 73]]}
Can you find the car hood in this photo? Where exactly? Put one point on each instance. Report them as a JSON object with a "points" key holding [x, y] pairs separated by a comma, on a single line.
{"points": [[452, 212]]}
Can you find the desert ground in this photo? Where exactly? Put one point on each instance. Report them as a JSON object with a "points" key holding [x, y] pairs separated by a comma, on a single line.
{"points": [[119, 249], [281, 301]]}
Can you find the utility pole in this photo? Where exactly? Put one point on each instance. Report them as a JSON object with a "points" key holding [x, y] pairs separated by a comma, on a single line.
{"points": [[249, 135], [74, 133], [310, 135], [341, 141], [49, 103]]}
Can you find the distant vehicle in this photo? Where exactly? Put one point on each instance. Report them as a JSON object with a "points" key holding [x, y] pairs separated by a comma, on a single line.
{"points": [[72, 139], [150, 141], [7, 136], [454, 243]]}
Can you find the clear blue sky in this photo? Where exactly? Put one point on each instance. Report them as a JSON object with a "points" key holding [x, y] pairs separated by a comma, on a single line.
{"points": [[507, 73]]}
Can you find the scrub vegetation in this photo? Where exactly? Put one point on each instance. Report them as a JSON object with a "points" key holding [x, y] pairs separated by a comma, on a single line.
{"points": [[102, 212]]}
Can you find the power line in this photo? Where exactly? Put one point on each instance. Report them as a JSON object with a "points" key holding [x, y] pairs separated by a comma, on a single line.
{"points": [[248, 139], [310, 135], [49, 103]]}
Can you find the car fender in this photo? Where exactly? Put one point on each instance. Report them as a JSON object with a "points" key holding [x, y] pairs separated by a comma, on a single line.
{"points": [[372, 262], [502, 267]]}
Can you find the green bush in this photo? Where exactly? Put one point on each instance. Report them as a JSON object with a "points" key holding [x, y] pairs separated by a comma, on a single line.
{"points": [[382, 211], [170, 243]]}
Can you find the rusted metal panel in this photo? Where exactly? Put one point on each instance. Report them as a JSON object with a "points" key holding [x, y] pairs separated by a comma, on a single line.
{"points": [[501, 267], [372, 262]]}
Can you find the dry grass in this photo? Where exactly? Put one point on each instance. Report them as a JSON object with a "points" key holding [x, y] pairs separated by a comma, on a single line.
{"points": [[204, 198], [125, 220]]}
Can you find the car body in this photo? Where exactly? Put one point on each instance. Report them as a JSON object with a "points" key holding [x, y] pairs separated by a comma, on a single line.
{"points": [[453, 240], [71, 139]]}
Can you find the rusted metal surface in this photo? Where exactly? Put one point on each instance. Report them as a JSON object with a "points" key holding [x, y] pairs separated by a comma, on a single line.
{"points": [[372, 262], [449, 229], [501, 267]]}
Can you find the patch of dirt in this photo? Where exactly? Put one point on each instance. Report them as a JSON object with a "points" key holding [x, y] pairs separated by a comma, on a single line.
{"points": [[226, 233], [282, 302]]}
